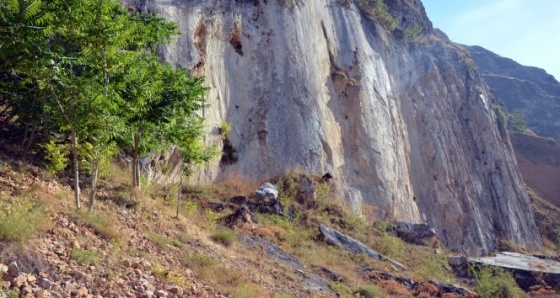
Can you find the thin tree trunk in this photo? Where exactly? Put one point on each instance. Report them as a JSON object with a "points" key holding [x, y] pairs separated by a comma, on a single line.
{"points": [[76, 169], [29, 142], [179, 192], [24, 140], [135, 170], [93, 186]]}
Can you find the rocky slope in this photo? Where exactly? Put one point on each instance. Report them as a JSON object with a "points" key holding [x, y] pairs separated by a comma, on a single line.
{"points": [[401, 120], [530, 89]]}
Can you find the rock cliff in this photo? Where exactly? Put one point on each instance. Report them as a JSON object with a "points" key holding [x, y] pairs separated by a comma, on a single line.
{"points": [[401, 120], [529, 89]]}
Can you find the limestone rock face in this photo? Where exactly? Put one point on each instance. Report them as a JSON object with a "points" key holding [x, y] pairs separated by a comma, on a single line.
{"points": [[321, 87], [529, 89]]}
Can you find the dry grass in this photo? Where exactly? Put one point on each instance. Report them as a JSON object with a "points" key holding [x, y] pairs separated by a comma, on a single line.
{"points": [[102, 223], [234, 269], [21, 217]]}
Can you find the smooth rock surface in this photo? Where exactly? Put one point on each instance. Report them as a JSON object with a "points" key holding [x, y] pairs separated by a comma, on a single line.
{"points": [[519, 261], [407, 127], [352, 245]]}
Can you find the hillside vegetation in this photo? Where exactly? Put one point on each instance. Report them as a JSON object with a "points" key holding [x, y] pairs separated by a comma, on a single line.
{"points": [[133, 244]]}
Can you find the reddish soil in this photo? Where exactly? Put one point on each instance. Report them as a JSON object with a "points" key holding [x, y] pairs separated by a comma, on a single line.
{"points": [[539, 161]]}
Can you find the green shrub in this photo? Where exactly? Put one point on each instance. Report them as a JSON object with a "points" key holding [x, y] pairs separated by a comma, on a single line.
{"points": [[391, 246], [20, 218], [367, 291], [191, 207], [501, 114], [341, 288], [224, 236], [357, 224], [225, 127], [379, 9], [282, 295], [434, 267], [414, 34], [84, 257], [158, 270], [212, 219], [199, 261], [496, 283], [288, 188], [518, 122], [55, 155]]}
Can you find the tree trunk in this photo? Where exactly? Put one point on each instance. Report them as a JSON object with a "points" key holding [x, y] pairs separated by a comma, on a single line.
{"points": [[24, 140], [93, 186], [179, 192], [76, 169], [135, 170], [29, 142]]}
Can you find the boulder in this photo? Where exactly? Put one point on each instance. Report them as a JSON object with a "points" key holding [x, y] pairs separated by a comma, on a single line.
{"points": [[241, 216], [267, 192], [352, 245], [455, 261], [419, 234], [13, 269], [45, 283], [267, 201]]}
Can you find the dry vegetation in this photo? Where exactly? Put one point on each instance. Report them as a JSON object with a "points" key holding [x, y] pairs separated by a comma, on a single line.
{"points": [[143, 225]]}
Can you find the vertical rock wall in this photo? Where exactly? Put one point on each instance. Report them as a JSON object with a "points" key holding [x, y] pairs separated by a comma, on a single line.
{"points": [[321, 87]]}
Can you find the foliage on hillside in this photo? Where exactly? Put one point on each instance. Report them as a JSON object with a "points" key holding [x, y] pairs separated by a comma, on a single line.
{"points": [[194, 249], [81, 81], [379, 10]]}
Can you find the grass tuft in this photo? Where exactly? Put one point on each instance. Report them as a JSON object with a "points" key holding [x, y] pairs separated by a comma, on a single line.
{"points": [[101, 223], [84, 257], [163, 240], [224, 236], [243, 291], [20, 218]]}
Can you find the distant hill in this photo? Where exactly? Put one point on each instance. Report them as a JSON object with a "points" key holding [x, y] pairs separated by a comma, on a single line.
{"points": [[530, 89], [539, 162]]}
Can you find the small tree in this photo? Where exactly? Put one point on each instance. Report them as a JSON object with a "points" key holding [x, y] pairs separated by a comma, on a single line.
{"points": [[518, 122], [193, 154]]}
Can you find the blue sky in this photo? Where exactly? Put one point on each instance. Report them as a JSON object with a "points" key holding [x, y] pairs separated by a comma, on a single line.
{"points": [[528, 31]]}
